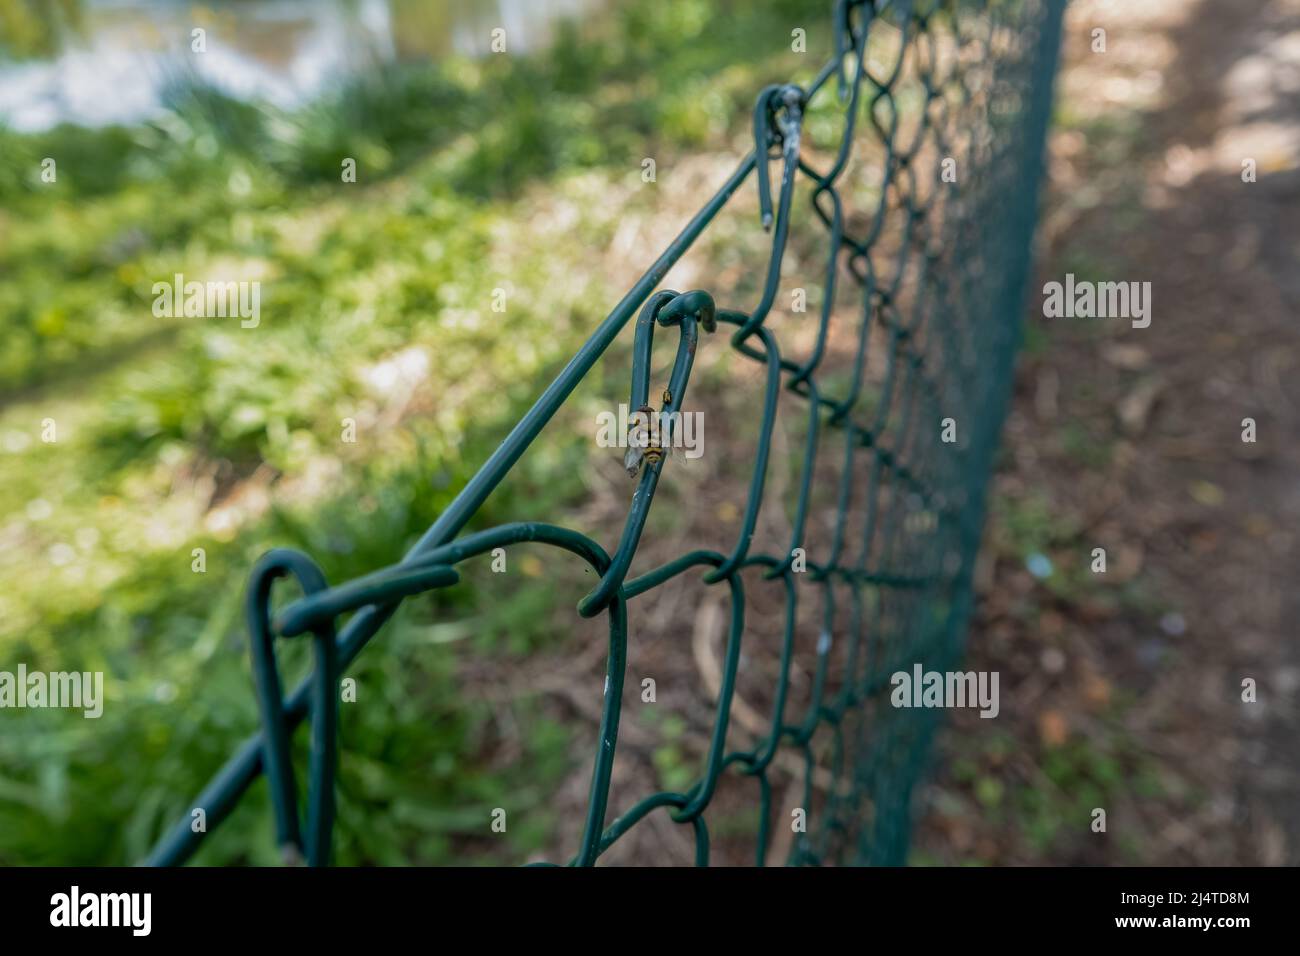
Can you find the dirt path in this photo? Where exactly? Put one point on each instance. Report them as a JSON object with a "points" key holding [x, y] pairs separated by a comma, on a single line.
{"points": [[1124, 691]]}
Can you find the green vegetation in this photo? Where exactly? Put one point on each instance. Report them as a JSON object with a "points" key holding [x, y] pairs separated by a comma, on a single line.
{"points": [[32, 27], [178, 434]]}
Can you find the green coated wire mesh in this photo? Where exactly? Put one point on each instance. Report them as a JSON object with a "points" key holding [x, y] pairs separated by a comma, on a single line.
{"points": [[942, 109]]}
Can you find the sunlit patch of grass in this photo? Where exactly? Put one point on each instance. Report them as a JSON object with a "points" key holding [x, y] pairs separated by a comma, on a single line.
{"points": [[184, 434]]}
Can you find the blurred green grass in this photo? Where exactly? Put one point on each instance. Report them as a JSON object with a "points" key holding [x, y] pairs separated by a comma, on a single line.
{"points": [[165, 426]]}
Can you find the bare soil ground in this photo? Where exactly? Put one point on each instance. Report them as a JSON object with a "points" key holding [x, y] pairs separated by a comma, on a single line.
{"points": [[1127, 693]]}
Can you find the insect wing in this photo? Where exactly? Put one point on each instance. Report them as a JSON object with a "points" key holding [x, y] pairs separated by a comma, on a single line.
{"points": [[632, 460]]}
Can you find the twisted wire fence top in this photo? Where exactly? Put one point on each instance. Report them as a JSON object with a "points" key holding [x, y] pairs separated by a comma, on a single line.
{"points": [[952, 98]]}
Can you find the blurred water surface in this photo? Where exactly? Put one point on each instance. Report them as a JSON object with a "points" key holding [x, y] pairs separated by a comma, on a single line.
{"points": [[117, 63]]}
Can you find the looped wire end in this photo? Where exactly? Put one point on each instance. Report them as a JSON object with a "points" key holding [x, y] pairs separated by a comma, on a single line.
{"points": [[771, 129]]}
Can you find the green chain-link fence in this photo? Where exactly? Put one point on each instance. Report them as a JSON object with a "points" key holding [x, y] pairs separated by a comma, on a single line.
{"points": [[951, 99]]}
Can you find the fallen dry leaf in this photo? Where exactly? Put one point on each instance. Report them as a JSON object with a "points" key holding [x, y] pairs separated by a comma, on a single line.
{"points": [[1053, 728], [1135, 407]]}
